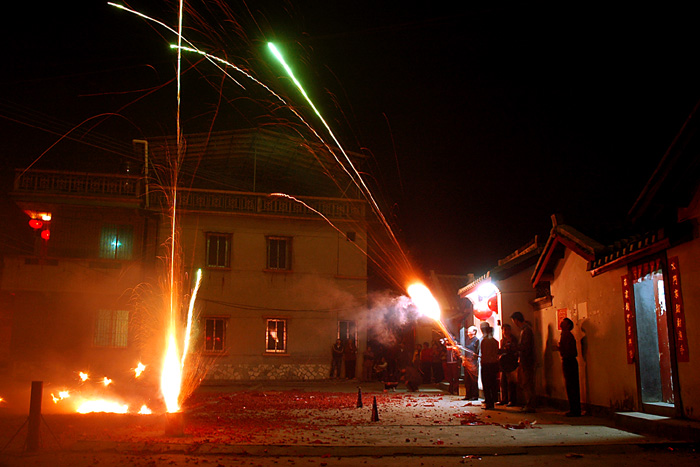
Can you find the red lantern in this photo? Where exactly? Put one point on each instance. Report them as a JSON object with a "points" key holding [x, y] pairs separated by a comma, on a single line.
{"points": [[35, 224], [493, 304], [45, 234], [483, 314]]}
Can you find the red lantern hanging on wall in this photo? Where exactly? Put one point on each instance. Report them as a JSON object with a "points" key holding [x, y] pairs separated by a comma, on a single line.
{"points": [[492, 304], [482, 314]]}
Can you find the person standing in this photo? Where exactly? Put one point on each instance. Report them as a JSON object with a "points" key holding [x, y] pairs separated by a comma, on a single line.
{"points": [[350, 354], [489, 366], [337, 353], [508, 363], [526, 361], [471, 365], [416, 356], [569, 366]]}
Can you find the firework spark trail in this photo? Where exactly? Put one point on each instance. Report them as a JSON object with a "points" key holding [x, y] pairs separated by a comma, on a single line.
{"points": [[194, 49], [173, 364], [357, 179], [296, 200], [190, 315]]}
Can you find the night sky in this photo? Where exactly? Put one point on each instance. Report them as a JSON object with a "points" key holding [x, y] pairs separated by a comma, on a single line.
{"points": [[480, 122]]}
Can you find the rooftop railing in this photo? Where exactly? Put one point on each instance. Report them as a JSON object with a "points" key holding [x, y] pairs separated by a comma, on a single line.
{"points": [[49, 182]]}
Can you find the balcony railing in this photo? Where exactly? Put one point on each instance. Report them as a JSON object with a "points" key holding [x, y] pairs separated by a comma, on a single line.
{"points": [[48, 182], [260, 203], [73, 183]]}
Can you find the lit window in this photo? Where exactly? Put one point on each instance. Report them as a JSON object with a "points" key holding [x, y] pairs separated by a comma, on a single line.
{"points": [[276, 336], [215, 331], [218, 250], [117, 241], [279, 253], [111, 328]]}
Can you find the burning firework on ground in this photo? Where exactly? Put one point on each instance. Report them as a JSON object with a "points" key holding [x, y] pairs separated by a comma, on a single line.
{"points": [[100, 396]]}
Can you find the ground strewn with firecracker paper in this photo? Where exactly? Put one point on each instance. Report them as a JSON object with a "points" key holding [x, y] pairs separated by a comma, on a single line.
{"points": [[324, 423]]}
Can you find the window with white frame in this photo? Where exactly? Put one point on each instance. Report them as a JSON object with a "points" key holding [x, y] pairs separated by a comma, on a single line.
{"points": [[215, 335], [218, 250], [111, 328], [276, 336], [279, 255]]}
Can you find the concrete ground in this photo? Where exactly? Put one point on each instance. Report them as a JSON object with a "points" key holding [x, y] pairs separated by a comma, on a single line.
{"points": [[320, 423]]}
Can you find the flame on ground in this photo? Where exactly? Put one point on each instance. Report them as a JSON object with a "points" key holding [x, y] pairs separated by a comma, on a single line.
{"points": [[101, 405]]}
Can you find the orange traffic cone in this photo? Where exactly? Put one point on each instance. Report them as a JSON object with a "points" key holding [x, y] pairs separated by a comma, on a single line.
{"points": [[375, 413], [359, 397]]}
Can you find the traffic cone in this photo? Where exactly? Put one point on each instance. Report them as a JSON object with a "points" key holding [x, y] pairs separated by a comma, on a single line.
{"points": [[359, 397], [375, 413]]}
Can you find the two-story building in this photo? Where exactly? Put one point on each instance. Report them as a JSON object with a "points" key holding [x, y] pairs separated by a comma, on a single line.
{"points": [[283, 274]]}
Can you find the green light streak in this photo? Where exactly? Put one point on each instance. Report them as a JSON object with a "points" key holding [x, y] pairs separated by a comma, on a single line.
{"points": [[289, 71], [356, 178]]}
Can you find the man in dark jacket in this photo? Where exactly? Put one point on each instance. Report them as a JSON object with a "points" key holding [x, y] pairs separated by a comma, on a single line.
{"points": [[526, 363], [569, 365]]}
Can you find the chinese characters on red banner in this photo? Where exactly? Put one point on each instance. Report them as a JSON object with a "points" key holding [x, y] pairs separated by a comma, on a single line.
{"points": [[561, 314], [629, 317], [678, 311]]}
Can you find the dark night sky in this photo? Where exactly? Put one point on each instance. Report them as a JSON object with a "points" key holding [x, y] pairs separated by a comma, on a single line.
{"points": [[482, 122]]}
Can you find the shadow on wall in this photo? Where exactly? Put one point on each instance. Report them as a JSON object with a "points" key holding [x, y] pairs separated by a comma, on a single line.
{"points": [[550, 351]]}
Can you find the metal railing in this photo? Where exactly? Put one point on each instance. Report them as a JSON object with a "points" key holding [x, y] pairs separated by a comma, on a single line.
{"points": [[74, 183], [261, 203], [130, 186]]}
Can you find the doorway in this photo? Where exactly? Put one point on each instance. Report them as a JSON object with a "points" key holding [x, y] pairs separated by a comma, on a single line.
{"points": [[655, 365]]}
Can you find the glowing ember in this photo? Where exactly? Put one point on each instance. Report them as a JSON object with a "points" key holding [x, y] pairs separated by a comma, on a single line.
{"points": [[106, 381], [424, 301], [101, 405], [139, 369], [83, 376], [145, 410], [61, 395]]}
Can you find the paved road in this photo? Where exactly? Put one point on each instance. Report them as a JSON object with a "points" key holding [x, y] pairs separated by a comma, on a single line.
{"points": [[320, 424]]}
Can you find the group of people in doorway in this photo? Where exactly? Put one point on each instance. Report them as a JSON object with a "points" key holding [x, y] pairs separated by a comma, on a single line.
{"points": [[512, 359], [507, 368]]}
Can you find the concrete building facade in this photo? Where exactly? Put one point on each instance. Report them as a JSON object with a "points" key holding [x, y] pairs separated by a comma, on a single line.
{"points": [[282, 276]]}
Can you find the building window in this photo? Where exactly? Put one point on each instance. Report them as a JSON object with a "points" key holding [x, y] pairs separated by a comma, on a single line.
{"points": [[111, 328], [346, 331], [215, 332], [279, 253], [218, 250], [276, 336], [117, 241]]}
